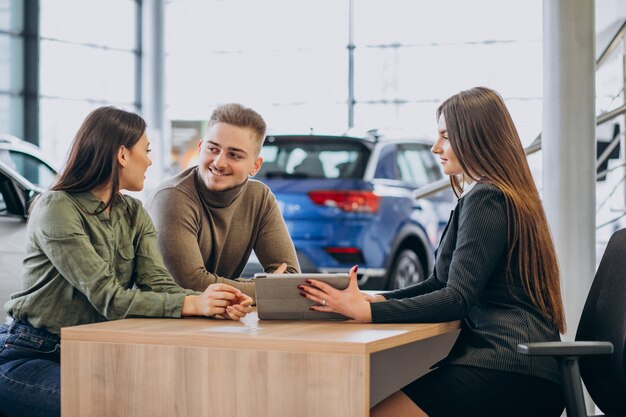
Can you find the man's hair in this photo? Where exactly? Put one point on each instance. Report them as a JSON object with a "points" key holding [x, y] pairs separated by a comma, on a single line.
{"points": [[237, 115]]}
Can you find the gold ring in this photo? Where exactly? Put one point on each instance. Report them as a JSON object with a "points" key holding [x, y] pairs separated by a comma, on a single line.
{"points": [[323, 302]]}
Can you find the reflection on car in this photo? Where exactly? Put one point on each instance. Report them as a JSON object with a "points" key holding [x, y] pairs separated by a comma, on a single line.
{"points": [[350, 200], [24, 173]]}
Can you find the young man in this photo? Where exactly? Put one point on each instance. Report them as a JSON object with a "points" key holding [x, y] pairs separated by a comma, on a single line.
{"points": [[210, 217]]}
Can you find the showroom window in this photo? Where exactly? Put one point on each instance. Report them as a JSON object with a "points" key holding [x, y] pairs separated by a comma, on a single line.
{"points": [[286, 59], [84, 65], [11, 67], [290, 60]]}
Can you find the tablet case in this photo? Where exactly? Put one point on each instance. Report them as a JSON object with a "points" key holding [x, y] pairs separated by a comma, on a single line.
{"points": [[278, 296]]}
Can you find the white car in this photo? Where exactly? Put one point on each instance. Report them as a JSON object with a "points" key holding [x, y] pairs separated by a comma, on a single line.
{"points": [[24, 173]]}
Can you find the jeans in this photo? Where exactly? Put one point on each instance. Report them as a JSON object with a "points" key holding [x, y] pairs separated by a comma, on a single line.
{"points": [[30, 382]]}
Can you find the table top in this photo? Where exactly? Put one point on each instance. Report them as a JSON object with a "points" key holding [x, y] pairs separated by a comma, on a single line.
{"points": [[252, 333]]}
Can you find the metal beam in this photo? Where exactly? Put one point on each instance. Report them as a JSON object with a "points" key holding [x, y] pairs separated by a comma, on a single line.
{"points": [[152, 87], [139, 59], [612, 46], [351, 99], [31, 71]]}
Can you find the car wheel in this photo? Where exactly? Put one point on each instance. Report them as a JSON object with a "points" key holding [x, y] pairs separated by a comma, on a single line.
{"points": [[407, 270]]}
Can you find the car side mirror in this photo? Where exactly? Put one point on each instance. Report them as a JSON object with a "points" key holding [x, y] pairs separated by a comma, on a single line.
{"points": [[30, 196], [12, 200]]}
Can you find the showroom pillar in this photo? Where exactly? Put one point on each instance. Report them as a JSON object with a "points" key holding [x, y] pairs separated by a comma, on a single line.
{"points": [[151, 87], [30, 129], [569, 145]]}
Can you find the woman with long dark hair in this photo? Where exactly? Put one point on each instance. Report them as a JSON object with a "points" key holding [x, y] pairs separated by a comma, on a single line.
{"points": [[91, 256], [495, 269]]}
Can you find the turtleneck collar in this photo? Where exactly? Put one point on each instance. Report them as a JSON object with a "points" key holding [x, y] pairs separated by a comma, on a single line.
{"points": [[218, 199]]}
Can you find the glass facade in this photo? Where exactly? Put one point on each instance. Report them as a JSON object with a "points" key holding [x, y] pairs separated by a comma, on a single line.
{"points": [[289, 60], [88, 58], [410, 56], [11, 67], [11, 15], [286, 59]]}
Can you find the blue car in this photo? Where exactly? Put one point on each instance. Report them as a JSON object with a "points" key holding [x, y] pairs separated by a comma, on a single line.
{"points": [[350, 200]]}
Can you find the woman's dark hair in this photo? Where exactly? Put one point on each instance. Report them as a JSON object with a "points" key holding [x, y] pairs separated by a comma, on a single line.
{"points": [[486, 143], [92, 160]]}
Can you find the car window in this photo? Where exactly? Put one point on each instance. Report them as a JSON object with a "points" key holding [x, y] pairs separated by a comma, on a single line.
{"points": [[417, 165], [387, 168], [31, 168], [8, 199], [313, 159], [3, 205]]}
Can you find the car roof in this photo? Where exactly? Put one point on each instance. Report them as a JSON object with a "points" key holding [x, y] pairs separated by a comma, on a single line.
{"points": [[16, 176], [367, 143], [13, 143], [370, 140]]}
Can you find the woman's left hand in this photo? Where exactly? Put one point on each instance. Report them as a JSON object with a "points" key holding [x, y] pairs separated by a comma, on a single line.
{"points": [[349, 302]]}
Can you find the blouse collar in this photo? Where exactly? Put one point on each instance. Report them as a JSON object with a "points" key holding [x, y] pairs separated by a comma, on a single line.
{"points": [[468, 188]]}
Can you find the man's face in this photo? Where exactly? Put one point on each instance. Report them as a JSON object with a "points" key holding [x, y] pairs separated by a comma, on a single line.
{"points": [[227, 155]]}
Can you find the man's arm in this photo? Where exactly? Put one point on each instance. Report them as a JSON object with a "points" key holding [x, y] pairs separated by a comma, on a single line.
{"points": [[177, 218], [274, 245]]}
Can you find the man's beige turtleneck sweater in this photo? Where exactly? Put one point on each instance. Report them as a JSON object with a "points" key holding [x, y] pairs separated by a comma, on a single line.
{"points": [[207, 236]]}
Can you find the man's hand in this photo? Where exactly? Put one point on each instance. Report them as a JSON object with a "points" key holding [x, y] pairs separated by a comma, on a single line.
{"points": [[281, 269], [215, 300]]}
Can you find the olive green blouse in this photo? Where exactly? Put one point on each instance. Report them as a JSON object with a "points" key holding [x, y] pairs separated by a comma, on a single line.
{"points": [[82, 267]]}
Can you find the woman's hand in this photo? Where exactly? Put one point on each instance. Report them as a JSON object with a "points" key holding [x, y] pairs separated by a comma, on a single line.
{"points": [[349, 302], [216, 300], [238, 308]]}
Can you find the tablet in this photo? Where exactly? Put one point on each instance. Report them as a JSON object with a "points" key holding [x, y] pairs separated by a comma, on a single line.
{"points": [[278, 296]]}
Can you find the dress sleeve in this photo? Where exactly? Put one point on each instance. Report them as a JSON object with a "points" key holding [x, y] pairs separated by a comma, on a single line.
{"points": [[428, 285], [481, 242], [59, 232]]}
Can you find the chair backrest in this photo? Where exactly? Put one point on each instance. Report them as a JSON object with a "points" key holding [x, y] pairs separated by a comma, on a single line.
{"points": [[604, 319]]}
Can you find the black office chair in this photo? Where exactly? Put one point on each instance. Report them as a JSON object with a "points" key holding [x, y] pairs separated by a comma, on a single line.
{"points": [[600, 340]]}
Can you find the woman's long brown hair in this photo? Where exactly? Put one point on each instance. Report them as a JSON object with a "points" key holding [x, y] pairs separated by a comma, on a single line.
{"points": [[92, 161], [488, 148]]}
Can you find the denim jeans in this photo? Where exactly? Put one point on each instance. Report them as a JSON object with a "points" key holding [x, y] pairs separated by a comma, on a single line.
{"points": [[29, 371]]}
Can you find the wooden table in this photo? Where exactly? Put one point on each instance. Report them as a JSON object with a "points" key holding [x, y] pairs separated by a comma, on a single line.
{"points": [[207, 367]]}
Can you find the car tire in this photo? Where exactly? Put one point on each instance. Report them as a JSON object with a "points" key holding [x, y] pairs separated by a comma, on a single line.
{"points": [[407, 270]]}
